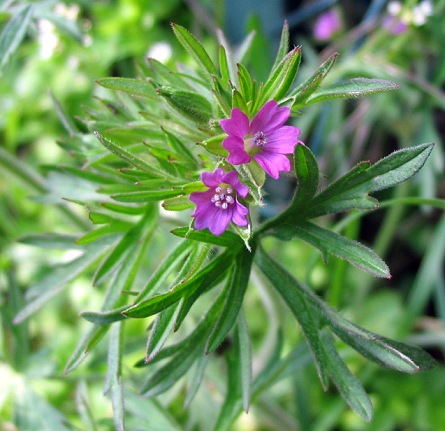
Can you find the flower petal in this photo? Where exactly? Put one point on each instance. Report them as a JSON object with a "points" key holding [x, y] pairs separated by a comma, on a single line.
{"points": [[237, 125], [232, 179], [273, 163], [235, 146], [269, 118], [283, 140], [217, 220], [239, 216], [212, 179]]}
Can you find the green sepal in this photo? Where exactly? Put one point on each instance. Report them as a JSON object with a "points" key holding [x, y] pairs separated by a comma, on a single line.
{"points": [[214, 145], [188, 103], [222, 96], [238, 101], [224, 65], [245, 83]]}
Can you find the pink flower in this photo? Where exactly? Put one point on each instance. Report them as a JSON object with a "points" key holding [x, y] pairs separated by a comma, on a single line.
{"points": [[218, 206], [265, 138], [327, 24]]}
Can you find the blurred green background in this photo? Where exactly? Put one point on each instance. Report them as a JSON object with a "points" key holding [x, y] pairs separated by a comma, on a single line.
{"points": [[52, 53]]}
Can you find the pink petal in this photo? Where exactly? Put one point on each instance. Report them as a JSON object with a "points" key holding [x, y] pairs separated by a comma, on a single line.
{"points": [[232, 179], [239, 215], [212, 179], [273, 163], [237, 125], [269, 118], [235, 146], [283, 140], [218, 220]]}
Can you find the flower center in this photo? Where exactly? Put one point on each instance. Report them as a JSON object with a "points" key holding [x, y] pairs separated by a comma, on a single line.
{"points": [[223, 197], [259, 139]]}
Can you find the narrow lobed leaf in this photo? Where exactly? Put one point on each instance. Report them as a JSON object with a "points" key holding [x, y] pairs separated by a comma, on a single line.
{"points": [[354, 87], [194, 47]]}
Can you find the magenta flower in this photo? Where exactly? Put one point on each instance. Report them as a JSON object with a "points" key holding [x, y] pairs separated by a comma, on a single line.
{"points": [[265, 138], [327, 24], [218, 206]]}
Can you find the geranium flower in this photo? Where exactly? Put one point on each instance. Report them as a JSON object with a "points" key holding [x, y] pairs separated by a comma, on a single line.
{"points": [[218, 206], [265, 138]]}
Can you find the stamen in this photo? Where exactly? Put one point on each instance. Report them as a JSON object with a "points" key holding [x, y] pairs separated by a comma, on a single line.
{"points": [[223, 197], [259, 139]]}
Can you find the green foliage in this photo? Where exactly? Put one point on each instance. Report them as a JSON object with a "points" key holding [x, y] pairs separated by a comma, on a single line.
{"points": [[153, 135]]}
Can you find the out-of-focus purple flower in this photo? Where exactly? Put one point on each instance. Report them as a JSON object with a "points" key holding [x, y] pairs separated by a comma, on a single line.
{"points": [[218, 206], [265, 138], [327, 24], [394, 25]]}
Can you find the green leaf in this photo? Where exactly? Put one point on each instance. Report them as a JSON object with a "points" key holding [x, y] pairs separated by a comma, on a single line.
{"points": [[84, 346], [97, 234], [125, 246], [146, 196], [237, 288], [306, 171], [194, 47], [195, 380], [381, 350], [165, 269], [178, 146], [51, 241], [238, 101], [302, 92], [246, 85], [233, 391], [399, 166], [281, 78], [128, 85], [283, 48], [224, 65], [114, 356], [163, 325], [207, 278], [227, 239], [354, 87], [165, 75], [127, 155], [56, 280], [291, 292], [347, 384], [329, 242], [245, 360], [14, 32], [350, 191]]}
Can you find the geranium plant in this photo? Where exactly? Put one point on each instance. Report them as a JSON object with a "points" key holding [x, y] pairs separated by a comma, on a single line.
{"points": [[198, 145]]}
